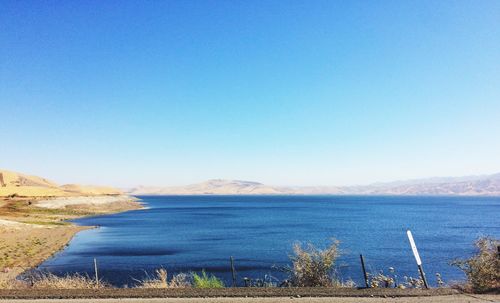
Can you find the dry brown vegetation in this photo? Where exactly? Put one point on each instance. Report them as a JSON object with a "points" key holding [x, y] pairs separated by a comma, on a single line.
{"points": [[70, 281], [41, 280], [383, 280], [482, 269], [12, 284], [160, 280], [313, 267], [28, 245]]}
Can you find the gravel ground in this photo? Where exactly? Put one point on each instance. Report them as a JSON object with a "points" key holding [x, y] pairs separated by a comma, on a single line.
{"points": [[217, 293], [432, 299]]}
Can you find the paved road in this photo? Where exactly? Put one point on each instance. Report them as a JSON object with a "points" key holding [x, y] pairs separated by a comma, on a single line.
{"points": [[435, 299]]}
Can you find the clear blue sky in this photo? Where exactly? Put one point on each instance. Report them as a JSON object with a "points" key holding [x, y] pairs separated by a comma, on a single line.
{"points": [[283, 92]]}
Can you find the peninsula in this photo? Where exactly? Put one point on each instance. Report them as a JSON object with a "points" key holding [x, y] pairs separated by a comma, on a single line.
{"points": [[34, 213]]}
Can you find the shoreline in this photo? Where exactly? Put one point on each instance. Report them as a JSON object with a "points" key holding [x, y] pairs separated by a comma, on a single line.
{"points": [[31, 233]]}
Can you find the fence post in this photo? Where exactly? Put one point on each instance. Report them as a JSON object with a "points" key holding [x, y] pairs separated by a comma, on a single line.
{"points": [[417, 257], [233, 272], [96, 275], [422, 274], [364, 270]]}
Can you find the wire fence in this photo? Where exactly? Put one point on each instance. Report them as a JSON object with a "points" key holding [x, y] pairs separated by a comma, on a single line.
{"points": [[344, 261], [245, 272]]}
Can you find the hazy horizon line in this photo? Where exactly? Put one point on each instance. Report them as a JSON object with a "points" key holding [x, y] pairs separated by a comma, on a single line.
{"points": [[373, 183]]}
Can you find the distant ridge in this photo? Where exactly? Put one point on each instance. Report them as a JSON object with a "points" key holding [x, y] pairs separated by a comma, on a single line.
{"points": [[18, 184], [211, 187], [485, 185]]}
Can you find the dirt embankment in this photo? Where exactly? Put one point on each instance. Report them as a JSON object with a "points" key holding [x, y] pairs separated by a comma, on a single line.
{"points": [[439, 299], [27, 245], [247, 295], [223, 292]]}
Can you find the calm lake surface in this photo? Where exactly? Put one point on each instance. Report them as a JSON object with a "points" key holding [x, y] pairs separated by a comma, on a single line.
{"points": [[191, 233]]}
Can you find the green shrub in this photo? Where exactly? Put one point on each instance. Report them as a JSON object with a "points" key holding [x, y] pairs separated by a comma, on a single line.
{"points": [[205, 281], [482, 269]]}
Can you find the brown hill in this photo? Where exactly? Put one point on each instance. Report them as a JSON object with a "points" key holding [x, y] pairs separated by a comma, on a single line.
{"points": [[487, 185], [18, 184], [211, 187]]}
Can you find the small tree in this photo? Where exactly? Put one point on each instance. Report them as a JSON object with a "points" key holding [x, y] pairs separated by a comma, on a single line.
{"points": [[314, 267], [482, 269]]}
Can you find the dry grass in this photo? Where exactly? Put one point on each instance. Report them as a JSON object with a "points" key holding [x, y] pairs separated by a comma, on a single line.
{"points": [[381, 280], [161, 280], [70, 281], [12, 284], [391, 280], [482, 269], [313, 267]]}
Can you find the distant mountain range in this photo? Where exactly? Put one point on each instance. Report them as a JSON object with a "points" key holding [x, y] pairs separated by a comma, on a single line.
{"points": [[13, 183], [486, 185], [211, 187]]}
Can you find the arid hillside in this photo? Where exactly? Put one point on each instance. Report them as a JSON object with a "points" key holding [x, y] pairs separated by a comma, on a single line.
{"points": [[486, 185], [212, 187], [21, 185]]}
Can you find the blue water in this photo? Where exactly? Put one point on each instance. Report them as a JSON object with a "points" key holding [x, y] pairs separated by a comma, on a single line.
{"points": [[190, 233]]}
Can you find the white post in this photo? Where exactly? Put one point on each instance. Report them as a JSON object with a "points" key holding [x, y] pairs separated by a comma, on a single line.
{"points": [[417, 257], [96, 275]]}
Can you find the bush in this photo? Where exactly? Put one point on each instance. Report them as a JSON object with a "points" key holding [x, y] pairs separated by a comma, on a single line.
{"points": [[391, 280], [160, 280], [482, 269], [381, 280], [205, 281], [314, 267], [181, 280]]}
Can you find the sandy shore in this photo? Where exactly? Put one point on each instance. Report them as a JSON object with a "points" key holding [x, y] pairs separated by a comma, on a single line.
{"points": [[26, 246], [32, 230], [64, 202]]}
